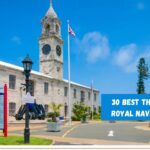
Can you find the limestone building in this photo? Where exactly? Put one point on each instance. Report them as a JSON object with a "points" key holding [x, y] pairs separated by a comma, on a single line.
{"points": [[48, 85]]}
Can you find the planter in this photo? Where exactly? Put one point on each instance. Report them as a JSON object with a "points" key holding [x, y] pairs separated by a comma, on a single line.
{"points": [[54, 126], [85, 120]]}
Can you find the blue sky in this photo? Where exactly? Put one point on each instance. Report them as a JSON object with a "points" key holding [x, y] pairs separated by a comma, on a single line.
{"points": [[111, 36]]}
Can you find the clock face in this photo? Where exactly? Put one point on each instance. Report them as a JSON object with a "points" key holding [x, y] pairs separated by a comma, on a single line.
{"points": [[46, 49], [58, 50]]}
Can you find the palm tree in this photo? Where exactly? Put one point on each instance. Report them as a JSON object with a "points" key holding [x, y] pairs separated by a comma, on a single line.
{"points": [[56, 110]]}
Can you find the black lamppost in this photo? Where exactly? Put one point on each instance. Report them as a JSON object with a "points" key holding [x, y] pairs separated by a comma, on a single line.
{"points": [[27, 65]]}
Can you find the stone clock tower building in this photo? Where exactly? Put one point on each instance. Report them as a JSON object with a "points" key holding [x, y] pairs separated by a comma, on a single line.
{"points": [[51, 45], [48, 84]]}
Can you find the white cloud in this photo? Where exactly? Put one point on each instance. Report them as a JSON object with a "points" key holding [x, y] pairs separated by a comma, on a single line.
{"points": [[94, 45], [132, 67], [140, 6], [128, 56], [125, 54], [15, 39], [146, 54]]}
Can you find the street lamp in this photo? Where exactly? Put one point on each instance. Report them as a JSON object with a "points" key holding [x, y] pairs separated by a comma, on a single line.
{"points": [[27, 65]]}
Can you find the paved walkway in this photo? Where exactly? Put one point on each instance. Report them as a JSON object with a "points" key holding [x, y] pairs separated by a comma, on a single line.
{"points": [[19, 127]]}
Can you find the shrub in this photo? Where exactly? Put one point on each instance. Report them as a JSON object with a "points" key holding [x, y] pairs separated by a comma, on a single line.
{"points": [[96, 117], [55, 112], [75, 118], [51, 114], [81, 111]]}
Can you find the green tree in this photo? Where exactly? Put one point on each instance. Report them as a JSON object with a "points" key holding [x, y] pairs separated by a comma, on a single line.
{"points": [[142, 75]]}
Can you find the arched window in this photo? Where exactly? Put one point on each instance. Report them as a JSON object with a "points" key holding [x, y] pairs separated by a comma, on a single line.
{"points": [[75, 93], [65, 91], [95, 97], [47, 29], [12, 81], [46, 108], [89, 96], [57, 28], [82, 96], [65, 109], [12, 108], [46, 85], [95, 110]]}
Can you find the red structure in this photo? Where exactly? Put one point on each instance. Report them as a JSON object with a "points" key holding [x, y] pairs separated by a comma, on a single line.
{"points": [[5, 112]]}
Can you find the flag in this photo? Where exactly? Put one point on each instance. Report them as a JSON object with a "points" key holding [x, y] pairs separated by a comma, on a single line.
{"points": [[71, 32]]}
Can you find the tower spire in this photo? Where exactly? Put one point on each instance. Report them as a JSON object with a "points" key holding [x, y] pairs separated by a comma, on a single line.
{"points": [[51, 3], [51, 12]]}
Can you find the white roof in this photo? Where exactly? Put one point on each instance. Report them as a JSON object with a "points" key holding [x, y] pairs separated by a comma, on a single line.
{"points": [[8, 65], [21, 69], [77, 84]]}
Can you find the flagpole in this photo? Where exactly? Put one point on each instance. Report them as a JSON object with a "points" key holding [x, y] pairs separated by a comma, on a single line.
{"points": [[69, 88], [92, 99]]}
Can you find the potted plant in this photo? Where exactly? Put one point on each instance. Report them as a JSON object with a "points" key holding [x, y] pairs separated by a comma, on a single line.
{"points": [[53, 122]]}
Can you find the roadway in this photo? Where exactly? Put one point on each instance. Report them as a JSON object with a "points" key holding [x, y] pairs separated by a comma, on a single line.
{"points": [[119, 132]]}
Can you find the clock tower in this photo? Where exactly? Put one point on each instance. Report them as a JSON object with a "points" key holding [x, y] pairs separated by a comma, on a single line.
{"points": [[51, 45]]}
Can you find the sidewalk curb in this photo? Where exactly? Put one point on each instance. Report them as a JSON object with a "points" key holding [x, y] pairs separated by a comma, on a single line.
{"points": [[53, 142], [142, 128]]}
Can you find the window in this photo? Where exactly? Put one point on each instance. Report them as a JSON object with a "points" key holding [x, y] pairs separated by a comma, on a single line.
{"points": [[57, 28], [12, 109], [94, 108], [89, 96], [82, 96], [46, 88], [47, 29], [58, 69], [65, 109], [75, 93], [95, 97], [46, 109], [65, 91], [12, 81]]}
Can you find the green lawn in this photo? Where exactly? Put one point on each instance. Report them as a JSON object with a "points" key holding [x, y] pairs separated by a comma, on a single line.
{"points": [[19, 140]]}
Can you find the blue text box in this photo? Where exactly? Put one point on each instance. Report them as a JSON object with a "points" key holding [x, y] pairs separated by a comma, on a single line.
{"points": [[125, 106]]}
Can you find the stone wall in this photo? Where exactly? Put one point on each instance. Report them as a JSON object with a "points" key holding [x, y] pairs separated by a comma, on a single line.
{"points": [[55, 93]]}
